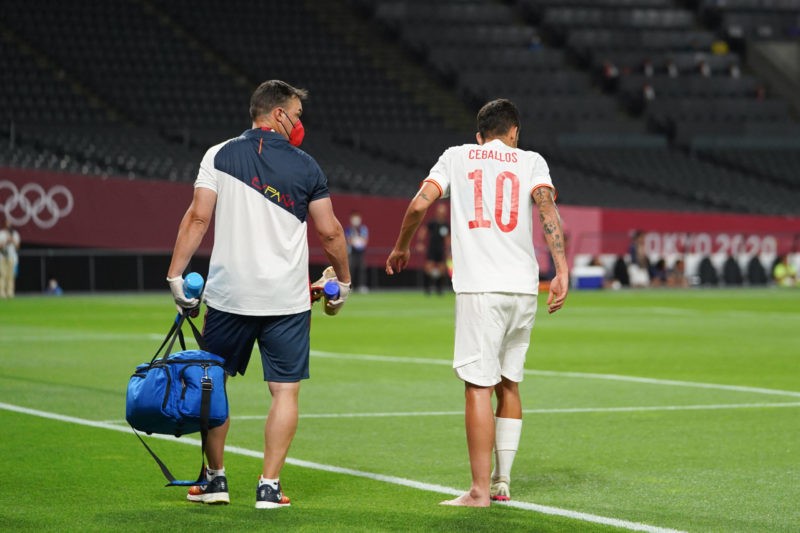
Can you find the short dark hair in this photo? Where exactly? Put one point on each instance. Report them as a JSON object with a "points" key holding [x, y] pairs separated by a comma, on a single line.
{"points": [[497, 117], [272, 94]]}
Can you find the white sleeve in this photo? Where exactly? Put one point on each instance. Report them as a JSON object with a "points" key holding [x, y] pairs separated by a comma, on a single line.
{"points": [[540, 173], [206, 177], [440, 173]]}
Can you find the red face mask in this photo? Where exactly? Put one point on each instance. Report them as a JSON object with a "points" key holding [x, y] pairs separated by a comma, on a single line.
{"points": [[298, 131]]}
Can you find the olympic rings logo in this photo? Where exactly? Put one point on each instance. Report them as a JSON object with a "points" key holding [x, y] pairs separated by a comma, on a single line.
{"points": [[32, 203]]}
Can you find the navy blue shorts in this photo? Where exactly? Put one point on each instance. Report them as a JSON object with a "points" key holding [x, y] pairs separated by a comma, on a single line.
{"points": [[282, 340]]}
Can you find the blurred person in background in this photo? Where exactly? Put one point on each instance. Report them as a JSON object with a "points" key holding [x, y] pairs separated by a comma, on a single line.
{"points": [[676, 277], [658, 274], [9, 259], [639, 267], [785, 273], [260, 188], [53, 288], [357, 235], [437, 250]]}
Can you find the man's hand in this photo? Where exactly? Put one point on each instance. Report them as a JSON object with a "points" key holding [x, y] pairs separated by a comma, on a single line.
{"points": [[317, 291], [559, 287], [334, 306], [317, 287], [397, 261], [183, 303]]}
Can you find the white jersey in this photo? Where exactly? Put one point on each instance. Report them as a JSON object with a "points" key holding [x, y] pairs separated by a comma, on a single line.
{"points": [[259, 263], [491, 215]]}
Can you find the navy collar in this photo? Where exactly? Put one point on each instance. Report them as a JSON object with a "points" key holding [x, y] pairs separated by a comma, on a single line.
{"points": [[265, 133]]}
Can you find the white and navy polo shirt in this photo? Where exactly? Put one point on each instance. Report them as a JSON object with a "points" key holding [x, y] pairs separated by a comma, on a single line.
{"points": [[259, 262]]}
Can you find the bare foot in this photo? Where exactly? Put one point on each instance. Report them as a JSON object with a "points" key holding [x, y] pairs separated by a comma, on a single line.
{"points": [[467, 500]]}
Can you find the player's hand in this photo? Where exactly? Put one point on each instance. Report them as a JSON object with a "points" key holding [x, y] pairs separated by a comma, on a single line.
{"points": [[397, 261], [183, 303], [317, 287], [559, 287], [334, 306]]}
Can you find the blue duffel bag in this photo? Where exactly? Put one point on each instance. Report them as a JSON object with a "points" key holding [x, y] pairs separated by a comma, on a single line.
{"points": [[166, 396], [178, 394]]}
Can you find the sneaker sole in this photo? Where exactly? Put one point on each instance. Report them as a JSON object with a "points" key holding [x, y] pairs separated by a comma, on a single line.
{"points": [[271, 505], [220, 498], [499, 491]]}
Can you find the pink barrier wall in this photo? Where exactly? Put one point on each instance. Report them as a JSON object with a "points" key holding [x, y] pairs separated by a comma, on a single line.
{"points": [[52, 209], [89, 212]]}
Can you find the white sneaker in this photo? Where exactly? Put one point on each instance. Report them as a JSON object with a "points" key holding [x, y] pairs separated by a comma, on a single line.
{"points": [[499, 490]]}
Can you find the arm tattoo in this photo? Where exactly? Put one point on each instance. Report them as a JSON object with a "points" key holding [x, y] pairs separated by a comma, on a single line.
{"points": [[424, 196], [558, 243], [551, 225], [542, 194]]}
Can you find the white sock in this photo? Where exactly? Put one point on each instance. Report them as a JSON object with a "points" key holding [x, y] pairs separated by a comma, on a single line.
{"points": [[272, 482], [211, 473], [506, 441]]}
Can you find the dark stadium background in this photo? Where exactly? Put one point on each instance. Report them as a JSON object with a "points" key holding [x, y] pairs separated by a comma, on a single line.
{"points": [[679, 118]]}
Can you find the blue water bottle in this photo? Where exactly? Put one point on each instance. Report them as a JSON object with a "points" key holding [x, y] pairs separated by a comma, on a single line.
{"points": [[331, 290], [193, 285], [192, 288]]}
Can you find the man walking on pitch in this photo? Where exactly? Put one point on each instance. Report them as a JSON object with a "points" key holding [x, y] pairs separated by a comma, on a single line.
{"points": [[437, 236], [492, 187], [261, 188]]}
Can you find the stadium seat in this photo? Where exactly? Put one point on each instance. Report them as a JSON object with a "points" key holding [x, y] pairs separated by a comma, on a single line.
{"points": [[756, 275], [707, 273], [732, 273]]}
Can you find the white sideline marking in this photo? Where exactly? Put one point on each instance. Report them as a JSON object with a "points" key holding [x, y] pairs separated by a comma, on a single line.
{"points": [[553, 373], [634, 409], [544, 509]]}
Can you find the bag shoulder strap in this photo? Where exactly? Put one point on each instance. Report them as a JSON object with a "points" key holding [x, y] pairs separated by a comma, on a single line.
{"points": [[175, 332], [172, 481], [171, 334], [198, 337]]}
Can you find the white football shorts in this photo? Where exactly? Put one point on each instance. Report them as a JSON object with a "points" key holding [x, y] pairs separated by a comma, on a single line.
{"points": [[493, 331]]}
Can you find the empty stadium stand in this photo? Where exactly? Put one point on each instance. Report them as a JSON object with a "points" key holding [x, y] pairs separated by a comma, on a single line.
{"points": [[759, 19], [685, 180], [635, 103]]}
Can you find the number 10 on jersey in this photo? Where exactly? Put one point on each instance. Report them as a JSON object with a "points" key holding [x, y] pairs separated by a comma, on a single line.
{"points": [[476, 176]]}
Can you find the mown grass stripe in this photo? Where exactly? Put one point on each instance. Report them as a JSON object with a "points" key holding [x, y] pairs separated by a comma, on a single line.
{"points": [[554, 373], [566, 410]]}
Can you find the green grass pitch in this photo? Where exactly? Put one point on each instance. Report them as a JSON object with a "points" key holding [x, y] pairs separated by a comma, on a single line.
{"points": [[660, 409]]}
